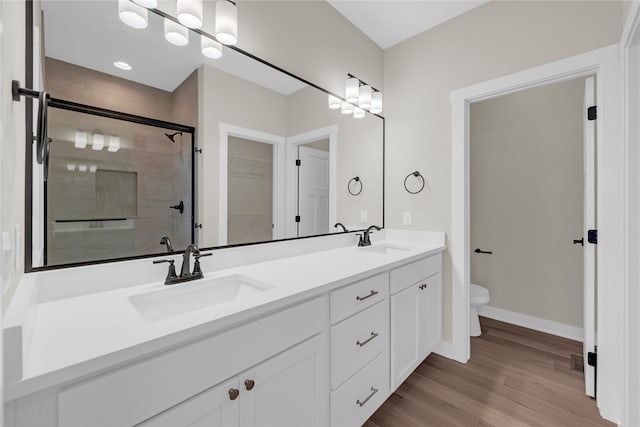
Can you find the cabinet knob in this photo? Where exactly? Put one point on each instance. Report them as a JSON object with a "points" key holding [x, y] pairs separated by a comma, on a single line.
{"points": [[233, 393], [249, 384]]}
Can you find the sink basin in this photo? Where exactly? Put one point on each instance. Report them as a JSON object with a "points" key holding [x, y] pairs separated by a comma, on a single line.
{"points": [[387, 248], [184, 298]]}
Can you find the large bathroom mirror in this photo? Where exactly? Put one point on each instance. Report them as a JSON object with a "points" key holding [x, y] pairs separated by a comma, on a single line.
{"points": [[184, 148]]}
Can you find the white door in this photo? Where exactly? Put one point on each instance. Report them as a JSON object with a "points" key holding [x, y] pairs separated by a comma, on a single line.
{"points": [[313, 192], [290, 389], [429, 317], [405, 352], [216, 407], [589, 248]]}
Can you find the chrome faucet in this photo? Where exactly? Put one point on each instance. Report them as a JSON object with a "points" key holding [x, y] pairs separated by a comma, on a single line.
{"points": [[364, 238], [185, 275], [165, 240], [339, 224]]}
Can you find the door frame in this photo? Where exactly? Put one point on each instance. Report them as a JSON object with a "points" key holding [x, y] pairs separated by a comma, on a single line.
{"points": [[291, 199], [630, 47], [603, 63], [226, 130]]}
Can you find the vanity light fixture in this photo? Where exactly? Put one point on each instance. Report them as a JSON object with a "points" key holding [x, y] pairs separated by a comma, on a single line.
{"points": [[80, 139], [358, 113], [93, 168], [226, 21], [98, 142], [71, 167], [149, 4], [175, 33], [346, 108], [352, 91], [114, 144], [210, 48], [82, 168], [132, 14], [334, 102], [364, 100], [122, 65], [376, 102], [190, 13]]}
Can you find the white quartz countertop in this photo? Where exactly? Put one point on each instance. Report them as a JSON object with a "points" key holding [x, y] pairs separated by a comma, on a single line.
{"points": [[78, 336]]}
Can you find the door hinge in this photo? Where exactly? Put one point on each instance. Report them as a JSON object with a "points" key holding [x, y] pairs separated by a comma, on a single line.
{"points": [[297, 218], [298, 162], [592, 359], [197, 225], [198, 150], [592, 112], [592, 236]]}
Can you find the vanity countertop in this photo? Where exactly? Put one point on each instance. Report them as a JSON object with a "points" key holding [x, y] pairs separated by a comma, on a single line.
{"points": [[87, 334]]}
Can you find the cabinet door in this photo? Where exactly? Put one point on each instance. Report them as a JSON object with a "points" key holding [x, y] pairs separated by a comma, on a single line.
{"points": [[290, 389], [404, 334], [429, 324], [215, 407]]}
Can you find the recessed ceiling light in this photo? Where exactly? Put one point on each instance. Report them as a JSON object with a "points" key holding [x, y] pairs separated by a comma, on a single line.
{"points": [[123, 65]]}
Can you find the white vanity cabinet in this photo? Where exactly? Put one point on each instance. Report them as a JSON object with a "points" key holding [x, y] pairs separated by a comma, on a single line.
{"points": [[286, 390], [415, 315]]}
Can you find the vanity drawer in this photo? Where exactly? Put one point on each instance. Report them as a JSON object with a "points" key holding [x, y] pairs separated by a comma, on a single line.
{"points": [[407, 275], [362, 394], [358, 340], [130, 395], [358, 296]]}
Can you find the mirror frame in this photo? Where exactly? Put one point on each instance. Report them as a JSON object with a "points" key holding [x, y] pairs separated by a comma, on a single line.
{"points": [[28, 207]]}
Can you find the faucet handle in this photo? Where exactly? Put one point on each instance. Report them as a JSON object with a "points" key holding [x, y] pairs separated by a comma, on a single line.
{"points": [[361, 241], [171, 274], [196, 265]]}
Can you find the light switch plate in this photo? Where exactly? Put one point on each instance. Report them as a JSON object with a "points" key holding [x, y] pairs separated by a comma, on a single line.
{"points": [[363, 216], [406, 218]]}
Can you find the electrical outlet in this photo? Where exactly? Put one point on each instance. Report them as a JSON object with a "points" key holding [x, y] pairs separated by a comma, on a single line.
{"points": [[363, 216], [406, 218]]}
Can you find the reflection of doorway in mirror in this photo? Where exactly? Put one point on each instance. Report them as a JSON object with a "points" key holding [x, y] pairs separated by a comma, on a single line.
{"points": [[313, 188], [250, 191]]}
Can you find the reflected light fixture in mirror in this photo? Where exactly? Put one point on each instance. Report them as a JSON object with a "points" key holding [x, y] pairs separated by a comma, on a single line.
{"points": [[149, 4], [98, 142], [71, 167], [132, 14], [364, 100], [334, 102], [376, 103], [210, 48], [190, 13], [175, 33], [358, 113], [352, 91], [346, 108], [80, 139], [226, 22], [82, 168], [114, 144]]}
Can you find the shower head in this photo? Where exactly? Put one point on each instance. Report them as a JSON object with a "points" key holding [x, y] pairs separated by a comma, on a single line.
{"points": [[172, 136]]}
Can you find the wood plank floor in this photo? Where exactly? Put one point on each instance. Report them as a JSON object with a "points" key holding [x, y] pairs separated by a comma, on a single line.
{"points": [[516, 377]]}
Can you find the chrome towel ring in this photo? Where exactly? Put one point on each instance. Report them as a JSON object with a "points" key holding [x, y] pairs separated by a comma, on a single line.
{"points": [[417, 175]]}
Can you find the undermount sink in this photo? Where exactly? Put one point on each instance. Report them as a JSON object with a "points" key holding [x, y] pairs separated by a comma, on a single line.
{"points": [[387, 248], [180, 299]]}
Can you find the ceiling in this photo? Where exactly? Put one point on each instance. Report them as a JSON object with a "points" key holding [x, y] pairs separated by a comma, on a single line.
{"points": [[90, 34], [388, 22]]}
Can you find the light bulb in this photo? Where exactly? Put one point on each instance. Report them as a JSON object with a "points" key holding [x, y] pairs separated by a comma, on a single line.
{"points": [[210, 48], [352, 90], [190, 13], [346, 108], [175, 33], [364, 100], [226, 22], [376, 103], [132, 14], [334, 102], [358, 113], [149, 4], [98, 142]]}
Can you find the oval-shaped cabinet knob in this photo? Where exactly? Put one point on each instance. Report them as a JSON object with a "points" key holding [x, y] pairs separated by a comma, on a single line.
{"points": [[249, 384], [233, 393]]}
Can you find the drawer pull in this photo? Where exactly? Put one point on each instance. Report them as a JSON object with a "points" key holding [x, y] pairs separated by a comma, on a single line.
{"points": [[233, 393], [423, 286], [373, 391], [373, 293], [362, 344], [249, 384]]}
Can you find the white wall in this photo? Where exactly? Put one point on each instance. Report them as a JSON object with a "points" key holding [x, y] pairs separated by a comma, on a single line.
{"points": [[493, 40], [526, 162]]}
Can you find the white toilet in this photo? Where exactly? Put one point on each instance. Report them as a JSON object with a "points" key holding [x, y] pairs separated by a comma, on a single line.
{"points": [[478, 296]]}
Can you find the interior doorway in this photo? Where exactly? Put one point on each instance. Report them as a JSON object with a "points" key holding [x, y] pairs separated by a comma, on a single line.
{"points": [[313, 188], [532, 194]]}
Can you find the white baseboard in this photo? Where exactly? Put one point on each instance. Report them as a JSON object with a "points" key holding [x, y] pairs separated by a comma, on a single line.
{"points": [[535, 323], [445, 349]]}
